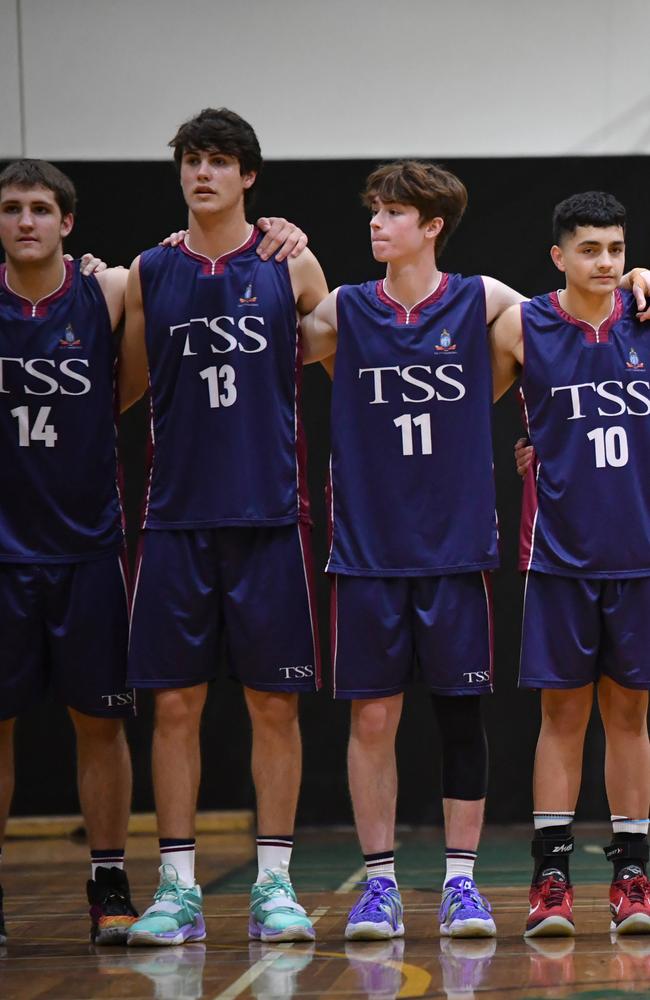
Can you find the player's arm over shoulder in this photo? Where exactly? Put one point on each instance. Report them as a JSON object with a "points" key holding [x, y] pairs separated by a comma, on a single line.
{"points": [[498, 297], [506, 348], [133, 367], [112, 282], [308, 281], [319, 328]]}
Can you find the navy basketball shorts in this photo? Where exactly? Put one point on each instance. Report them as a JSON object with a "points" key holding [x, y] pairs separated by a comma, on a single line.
{"points": [[576, 629], [65, 626], [248, 591], [385, 629]]}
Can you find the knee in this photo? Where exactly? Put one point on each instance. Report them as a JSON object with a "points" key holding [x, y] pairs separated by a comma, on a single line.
{"points": [[270, 710], [373, 722], [566, 715], [179, 709], [625, 714], [96, 730]]}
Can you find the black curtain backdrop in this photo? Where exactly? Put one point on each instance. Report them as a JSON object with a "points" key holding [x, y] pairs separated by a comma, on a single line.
{"points": [[126, 207]]}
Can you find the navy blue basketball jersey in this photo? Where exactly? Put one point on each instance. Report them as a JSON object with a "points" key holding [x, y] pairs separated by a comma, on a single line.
{"points": [[412, 485], [58, 474], [586, 402], [225, 365]]}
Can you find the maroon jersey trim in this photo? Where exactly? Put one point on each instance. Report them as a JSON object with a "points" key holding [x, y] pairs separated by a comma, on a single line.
{"points": [[410, 316], [592, 336], [218, 266], [39, 309]]}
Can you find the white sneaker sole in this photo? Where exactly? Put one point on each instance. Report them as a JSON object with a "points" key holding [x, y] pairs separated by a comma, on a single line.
{"points": [[472, 928]]}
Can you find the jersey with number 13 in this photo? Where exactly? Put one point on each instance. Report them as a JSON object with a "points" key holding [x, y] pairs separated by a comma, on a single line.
{"points": [[224, 356], [586, 401], [59, 499]]}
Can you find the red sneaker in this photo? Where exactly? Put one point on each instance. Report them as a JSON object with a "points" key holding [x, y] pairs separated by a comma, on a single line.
{"points": [[551, 906], [629, 902]]}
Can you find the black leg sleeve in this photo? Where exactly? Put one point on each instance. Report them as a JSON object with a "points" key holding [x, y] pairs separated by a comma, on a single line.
{"points": [[464, 746]]}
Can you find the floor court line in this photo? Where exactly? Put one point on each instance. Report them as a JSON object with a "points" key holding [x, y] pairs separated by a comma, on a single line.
{"points": [[259, 968]]}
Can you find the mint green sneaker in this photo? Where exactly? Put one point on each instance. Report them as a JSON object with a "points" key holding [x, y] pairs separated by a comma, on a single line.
{"points": [[174, 917], [275, 913]]}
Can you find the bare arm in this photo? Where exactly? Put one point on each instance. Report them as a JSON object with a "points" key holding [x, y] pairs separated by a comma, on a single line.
{"points": [[637, 281], [319, 333], [498, 297], [133, 367], [308, 282], [112, 282], [507, 349]]}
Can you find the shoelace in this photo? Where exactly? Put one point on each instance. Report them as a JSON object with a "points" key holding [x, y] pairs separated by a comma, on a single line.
{"points": [[275, 883], [169, 891], [475, 897], [552, 892], [636, 889], [372, 895]]}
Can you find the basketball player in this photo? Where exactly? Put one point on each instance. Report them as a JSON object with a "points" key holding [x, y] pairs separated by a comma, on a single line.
{"points": [[584, 359], [413, 526], [63, 596], [61, 522], [225, 551]]}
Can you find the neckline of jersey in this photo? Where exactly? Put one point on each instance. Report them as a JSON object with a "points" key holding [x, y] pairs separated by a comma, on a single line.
{"points": [[601, 333], [225, 257], [39, 307], [407, 316]]}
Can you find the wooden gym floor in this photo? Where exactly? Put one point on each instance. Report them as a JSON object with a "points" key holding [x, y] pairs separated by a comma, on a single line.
{"points": [[48, 954]]}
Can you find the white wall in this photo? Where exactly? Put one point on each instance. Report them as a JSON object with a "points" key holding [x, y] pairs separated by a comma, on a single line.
{"points": [[111, 79]]}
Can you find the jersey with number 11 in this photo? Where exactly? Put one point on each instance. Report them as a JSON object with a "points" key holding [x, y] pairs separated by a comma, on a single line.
{"points": [[586, 401], [59, 499], [412, 486]]}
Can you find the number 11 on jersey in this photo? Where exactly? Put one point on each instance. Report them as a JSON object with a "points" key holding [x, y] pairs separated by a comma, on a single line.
{"points": [[406, 423]]}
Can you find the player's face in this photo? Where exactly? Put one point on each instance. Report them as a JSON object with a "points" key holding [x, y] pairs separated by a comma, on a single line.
{"points": [[212, 181], [31, 224], [396, 231], [593, 258]]}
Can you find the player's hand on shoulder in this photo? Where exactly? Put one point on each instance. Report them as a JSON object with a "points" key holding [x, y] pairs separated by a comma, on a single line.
{"points": [[281, 236], [638, 282], [173, 239], [524, 452], [89, 264]]}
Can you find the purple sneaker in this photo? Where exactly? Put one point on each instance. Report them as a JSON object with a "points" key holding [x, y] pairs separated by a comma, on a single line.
{"points": [[377, 914], [463, 911]]}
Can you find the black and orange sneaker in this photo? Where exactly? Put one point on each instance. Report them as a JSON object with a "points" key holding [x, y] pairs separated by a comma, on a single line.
{"points": [[111, 909], [551, 906], [629, 901]]}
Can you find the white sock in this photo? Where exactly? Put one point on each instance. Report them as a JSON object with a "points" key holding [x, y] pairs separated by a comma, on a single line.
{"points": [[623, 824], [181, 855], [459, 863], [273, 853]]}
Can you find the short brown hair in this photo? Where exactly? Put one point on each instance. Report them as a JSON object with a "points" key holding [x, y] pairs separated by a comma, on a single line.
{"points": [[225, 131], [39, 173], [434, 191]]}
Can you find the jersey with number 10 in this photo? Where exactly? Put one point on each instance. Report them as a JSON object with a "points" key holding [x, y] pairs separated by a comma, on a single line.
{"points": [[412, 486], [59, 498], [586, 399], [225, 363]]}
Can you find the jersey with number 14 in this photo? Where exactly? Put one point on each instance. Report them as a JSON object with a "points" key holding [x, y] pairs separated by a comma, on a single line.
{"points": [[412, 485], [586, 399], [225, 364], [59, 499]]}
